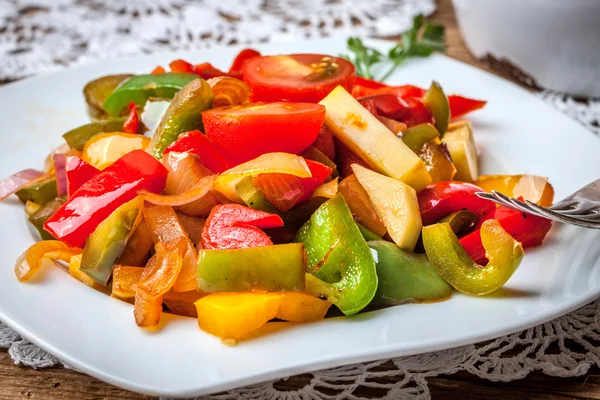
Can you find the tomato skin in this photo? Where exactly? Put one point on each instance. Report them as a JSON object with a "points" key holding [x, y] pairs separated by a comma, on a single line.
{"points": [[243, 133], [297, 89]]}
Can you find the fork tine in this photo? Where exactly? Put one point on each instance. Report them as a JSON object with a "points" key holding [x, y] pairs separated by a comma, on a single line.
{"points": [[502, 200], [514, 203], [534, 209], [563, 218]]}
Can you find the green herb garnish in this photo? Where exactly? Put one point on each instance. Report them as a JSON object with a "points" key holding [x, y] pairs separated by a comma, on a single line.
{"points": [[419, 41]]}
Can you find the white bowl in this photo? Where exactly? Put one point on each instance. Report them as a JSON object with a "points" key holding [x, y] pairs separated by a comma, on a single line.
{"points": [[557, 42]]}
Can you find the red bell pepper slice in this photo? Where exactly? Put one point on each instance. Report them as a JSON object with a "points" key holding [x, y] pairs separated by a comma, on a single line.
{"points": [[132, 123], [460, 105], [345, 157], [195, 142], [78, 172], [408, 109], [232, 226], [442, 198], [530, 230], [284, 191], [324, 142], [240, 59], [182, 66], [207, 71], [93, 202]]}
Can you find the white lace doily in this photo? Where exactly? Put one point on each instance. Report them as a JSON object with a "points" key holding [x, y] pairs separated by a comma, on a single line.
{"points": [[41, 35]]}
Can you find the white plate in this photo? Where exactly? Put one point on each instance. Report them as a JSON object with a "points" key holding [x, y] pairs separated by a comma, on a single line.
{"points": [[516, 132]]}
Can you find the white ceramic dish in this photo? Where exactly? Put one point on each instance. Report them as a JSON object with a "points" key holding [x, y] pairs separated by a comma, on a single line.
{"points": [[554, 41], [517, 133]]}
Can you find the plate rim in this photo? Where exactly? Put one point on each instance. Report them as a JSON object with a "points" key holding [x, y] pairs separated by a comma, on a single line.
{"points": [[356, 357]]}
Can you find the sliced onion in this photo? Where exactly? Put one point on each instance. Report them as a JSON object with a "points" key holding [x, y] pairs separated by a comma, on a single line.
{"points": [[269, 163], [152, 114], [228, 91], [283, 191], [160, 272], [202, 206], [166, 227], [18, 181], [396, 127], [199, 191], [197, 201], [60, 171], [62, 149], [327, 190], [185, 171], [31, 207], [32, 259]]}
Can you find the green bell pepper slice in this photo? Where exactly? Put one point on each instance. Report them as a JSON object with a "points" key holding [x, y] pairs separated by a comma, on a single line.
{"points": [[274, 268], [39, 218], [40, 193], [108, 240], [437, 103], [141, 87], [340, 264], [452, 262], [416, 136], [367, 234], [405, 277], [183, 115], [76, 138], [97, 91]]}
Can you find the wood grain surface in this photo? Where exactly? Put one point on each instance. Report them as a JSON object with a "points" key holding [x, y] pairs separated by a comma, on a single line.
{"points": [[58, 383]]}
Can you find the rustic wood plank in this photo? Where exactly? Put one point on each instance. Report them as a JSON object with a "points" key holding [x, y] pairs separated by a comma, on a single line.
{"points": [[58, 383]]}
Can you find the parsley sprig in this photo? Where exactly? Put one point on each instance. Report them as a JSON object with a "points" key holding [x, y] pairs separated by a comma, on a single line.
{"points": [[419, 41]]}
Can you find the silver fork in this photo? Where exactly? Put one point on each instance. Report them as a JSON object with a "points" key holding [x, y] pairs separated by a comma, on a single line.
{"points": [[582, 208]]}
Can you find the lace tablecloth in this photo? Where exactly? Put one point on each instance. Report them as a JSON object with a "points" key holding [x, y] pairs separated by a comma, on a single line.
{"points": [[42, 35]]}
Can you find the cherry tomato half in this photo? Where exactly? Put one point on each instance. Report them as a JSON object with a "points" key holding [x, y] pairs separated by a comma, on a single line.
{"points": [[245, 132], [297, 77]]}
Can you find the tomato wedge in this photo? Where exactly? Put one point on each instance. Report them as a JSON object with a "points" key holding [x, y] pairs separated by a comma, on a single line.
{"points": [[297, 77], [245, 132]]}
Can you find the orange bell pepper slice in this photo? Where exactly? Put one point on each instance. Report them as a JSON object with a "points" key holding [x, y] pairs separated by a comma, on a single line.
{"points": [[534, 188], [39, 254], [123, 279], [236, 316]]}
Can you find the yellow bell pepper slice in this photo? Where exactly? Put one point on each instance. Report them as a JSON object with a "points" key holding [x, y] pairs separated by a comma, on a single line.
{"points": [[281, 163], [236, 316], [75, 272], [106, 148]]}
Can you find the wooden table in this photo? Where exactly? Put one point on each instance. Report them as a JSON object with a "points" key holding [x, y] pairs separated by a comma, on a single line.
{"points": [[58, 383]]}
